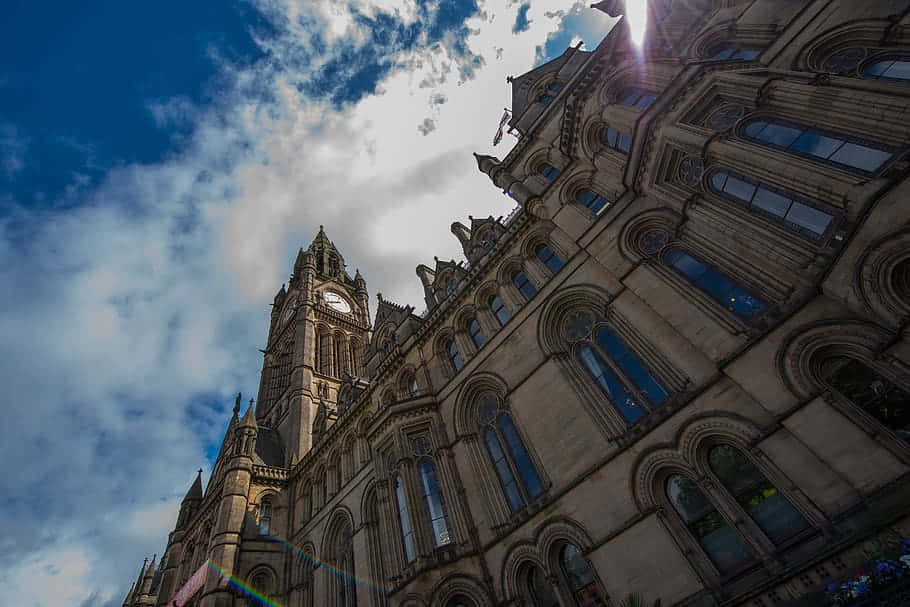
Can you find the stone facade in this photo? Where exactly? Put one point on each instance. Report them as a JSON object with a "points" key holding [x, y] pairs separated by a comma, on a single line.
{"points": [[679, 368]]}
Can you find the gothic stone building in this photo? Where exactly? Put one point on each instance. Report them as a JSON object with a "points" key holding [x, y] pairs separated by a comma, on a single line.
{"points": [[679, 368]]}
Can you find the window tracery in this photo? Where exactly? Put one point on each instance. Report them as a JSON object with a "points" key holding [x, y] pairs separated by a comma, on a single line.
{"points": [[691, 170], [549, 257], [500, 311], [636, 97], [591, 200], [476, 333], [616, 139], [524, 285]]}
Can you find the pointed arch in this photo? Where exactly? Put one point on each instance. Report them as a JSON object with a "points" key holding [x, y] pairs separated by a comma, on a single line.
{"points": [[465, 413], [557, 310], [456, 585]]}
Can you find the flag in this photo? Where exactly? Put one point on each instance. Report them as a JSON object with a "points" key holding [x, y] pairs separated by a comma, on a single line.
{"points": [[502, 122]]}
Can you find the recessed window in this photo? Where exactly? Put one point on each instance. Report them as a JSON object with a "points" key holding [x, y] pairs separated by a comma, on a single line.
{"points": [[404, 519], [793, 213], [716, 537], [871, 392], [888, 68], [432, 495], [265, 516], [476, 333], [832, 147], [499, 310], [549, 257], [591, 200], [734, 52], [638, 98], [579, 577], [615, 139], [549, 172], [412, 385], [454, 356], [525, 286], [716, 284], [540, 589], [451, 285]]}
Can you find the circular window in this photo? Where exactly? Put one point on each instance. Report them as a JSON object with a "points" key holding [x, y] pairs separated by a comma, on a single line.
{"points": [[725, 117], [579, 325], [844, 61], [653, 242], [690, 171]]}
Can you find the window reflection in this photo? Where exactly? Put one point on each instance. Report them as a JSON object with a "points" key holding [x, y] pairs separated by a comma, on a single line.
{"points": [[719, 287], [591, 200], [889, 68], [579, 577], [871, 392], [525, 286], [432, 495], [549, 258]]}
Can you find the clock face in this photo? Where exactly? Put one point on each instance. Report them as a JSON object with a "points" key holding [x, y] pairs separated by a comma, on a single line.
{"points": [[337, 302]]}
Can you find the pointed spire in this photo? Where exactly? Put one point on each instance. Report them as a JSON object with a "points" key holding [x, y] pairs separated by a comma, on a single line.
{"points": [[249, 418], [151, 568], [237, 404], [195, 491], [485, 163]]}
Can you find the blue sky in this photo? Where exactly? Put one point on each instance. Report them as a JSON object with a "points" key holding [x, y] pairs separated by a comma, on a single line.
{"points": [[160, 164]]}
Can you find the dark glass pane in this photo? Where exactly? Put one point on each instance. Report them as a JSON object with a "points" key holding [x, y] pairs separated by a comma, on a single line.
{"points": [[611, 385], [545, 99], [553, 261], [755, 128], [632, 96], [540, 590], [527, 288], [503, 470], [625, 142], [520, 456], [771, 511], [611, 137], [899, 70], [779, 134], [454, 356], [596, 203], [631, 365], [476, 334], [744, 304], [716, 285], [861, 157], [578, 574], [687, 265], [809, 218], [585, 197], [722, 544], [816, 144], [407, 532], [771, 202], [746, 54], [718, 179], [723, 53], [739, 188], [878, 68], [646, 101], [549, 172], [432, 494], [499, 309], [864, 387]]}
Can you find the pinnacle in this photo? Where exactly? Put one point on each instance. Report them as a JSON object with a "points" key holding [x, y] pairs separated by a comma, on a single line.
{"points": [[195, 492], [249, 418]]}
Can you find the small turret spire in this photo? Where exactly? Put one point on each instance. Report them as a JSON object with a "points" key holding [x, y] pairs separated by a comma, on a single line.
{"points": [[237, 404], [195, 491], [249, 418]]}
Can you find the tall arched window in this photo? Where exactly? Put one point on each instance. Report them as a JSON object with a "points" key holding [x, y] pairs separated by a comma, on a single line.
{"points": [[717, 285], [637, 97], [894, 67], [265, 516], [720, 542], [632, 388], [346, 582], [500, 311], [540, 590], [869, 391], [549, 257], [761, 500], [404, 518], [549, 172], [517, 476], [409, 385], [339, 343], [525, 286], [782, 206], [339, 475], [836, 148], [579, 577], [453, 355], [615, 139], [476, 333], [591, 200], [435, 504], [353, 347]]}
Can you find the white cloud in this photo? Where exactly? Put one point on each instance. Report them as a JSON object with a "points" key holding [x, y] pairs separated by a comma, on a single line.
{"points": [[130, 321]]}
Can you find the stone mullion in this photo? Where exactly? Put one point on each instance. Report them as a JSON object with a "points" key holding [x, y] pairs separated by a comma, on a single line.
{"points": [[454, 506], [494, 504], [390, 533], [329, 341], [738, 520]]}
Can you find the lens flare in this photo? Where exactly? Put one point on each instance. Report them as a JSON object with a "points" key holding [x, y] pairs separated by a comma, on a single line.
{"points": [[637, 15], [243, 586]]}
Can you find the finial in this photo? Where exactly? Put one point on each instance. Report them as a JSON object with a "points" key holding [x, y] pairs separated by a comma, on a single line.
{"points": [[251, 402], [320, 227], [471, 217], [509, 80], [199, 472], [236, 405]]}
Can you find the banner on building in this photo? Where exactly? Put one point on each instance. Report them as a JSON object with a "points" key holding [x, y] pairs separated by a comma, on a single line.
{"points": [[502, 122], [192, 586]]}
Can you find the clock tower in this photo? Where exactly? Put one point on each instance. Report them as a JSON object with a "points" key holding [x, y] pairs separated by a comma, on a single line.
{"points": [[318, 332]]}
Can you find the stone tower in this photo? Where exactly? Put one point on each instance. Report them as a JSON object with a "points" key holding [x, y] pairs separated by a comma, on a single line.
{"points": [[319, 327]]}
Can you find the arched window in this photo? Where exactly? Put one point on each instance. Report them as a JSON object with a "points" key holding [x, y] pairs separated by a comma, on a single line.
{"points": [[591, 200], [435, 504], [487, 240], [265, 516], [346, 582], [720, 542], [476, 333], [617, 140], [525, 286], [632, 388], [517, 476], [831, 147], [339, 475], [454, 357], [354, 346], [499, 310], [894, 67], [549, 257], [407, 531], [579, 577], [261, 583], [869, 391], [636, 97], [324, 488], [736, 52], [540, 591], [451, 285], [549, 171], [550, 94], [793, 213], [761, 500], [409, 385], [717, 285]]}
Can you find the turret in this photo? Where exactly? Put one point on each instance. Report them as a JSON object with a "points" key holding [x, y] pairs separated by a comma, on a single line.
{"points": [[363, 299], [128, 601], [462, 233], [190, 502], [427, 276], [145, 592]]}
